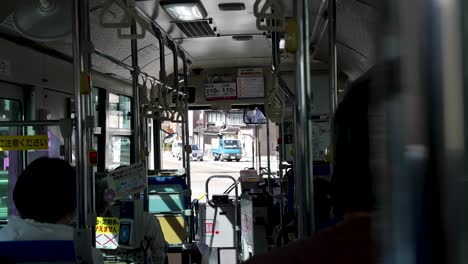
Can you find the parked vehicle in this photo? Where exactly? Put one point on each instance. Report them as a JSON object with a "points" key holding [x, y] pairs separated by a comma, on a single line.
{"points": [[226, 149], [197, 153], [176, 148]]}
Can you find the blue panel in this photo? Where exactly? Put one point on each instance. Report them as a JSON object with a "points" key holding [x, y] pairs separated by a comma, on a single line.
{"points": [[159, 180], [164, 203], [166, 188], [173, 197], [48, 251]]}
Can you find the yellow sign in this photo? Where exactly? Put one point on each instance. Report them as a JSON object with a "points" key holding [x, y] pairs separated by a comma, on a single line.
{"points": [[107, 225], [107, 232], [85, 83], [24, 142]]}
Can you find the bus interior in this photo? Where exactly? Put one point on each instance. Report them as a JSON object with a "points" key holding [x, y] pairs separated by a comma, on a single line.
{"points": [[225, 109]]}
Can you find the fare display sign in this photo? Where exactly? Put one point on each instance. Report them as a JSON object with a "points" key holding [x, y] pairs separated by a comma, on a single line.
{"points": [[220, 91]]}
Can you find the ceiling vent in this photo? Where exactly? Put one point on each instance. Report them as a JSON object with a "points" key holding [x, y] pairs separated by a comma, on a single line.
{"points": [[196, 29]]}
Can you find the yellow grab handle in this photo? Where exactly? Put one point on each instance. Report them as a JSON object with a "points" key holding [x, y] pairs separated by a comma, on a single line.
{"points": [[291, 36]]}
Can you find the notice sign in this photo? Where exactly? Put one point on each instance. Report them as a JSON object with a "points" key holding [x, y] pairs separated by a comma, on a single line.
{"points": [[107, 232], [24, 142], [220, 91], [321, 139], [250, 87], [250, 83], [127, 181], [257, 72]]}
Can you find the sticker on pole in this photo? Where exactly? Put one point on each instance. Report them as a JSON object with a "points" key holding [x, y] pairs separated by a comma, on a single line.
{"points": [[127, 181], [210, 227], [24, 142], [107, 232]]}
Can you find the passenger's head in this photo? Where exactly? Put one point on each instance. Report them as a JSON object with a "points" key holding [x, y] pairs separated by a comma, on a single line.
{"points": [[46, 191], [352, 181]]}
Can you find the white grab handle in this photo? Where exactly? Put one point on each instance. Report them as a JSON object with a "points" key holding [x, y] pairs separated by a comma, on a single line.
{"points": [[274, 105], [269, 4], [138, 21], [263, 14], [279, 28]]}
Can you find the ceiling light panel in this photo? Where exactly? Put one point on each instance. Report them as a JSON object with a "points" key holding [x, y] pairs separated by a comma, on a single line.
{"points": [[185, 10]]}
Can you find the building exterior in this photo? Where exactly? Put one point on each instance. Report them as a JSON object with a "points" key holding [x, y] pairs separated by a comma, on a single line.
{"points": [[208, 125]]}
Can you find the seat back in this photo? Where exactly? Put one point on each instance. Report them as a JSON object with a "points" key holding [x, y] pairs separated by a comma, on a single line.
{"points": [[39, 251]]}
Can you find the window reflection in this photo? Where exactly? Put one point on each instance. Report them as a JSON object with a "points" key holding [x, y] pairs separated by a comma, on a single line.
{"points": [[119, 111], [119, 152], [95, 98]]}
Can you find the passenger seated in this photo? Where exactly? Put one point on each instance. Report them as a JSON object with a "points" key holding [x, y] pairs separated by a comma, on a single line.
{"points": [[45, 197], [151, 225]]}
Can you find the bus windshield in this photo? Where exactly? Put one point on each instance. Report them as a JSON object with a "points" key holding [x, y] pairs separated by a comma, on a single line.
{"points": [[231, 144]]}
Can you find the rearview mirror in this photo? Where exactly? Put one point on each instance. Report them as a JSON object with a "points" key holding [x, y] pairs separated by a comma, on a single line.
{"points": [[169, 138], [254, 116]]}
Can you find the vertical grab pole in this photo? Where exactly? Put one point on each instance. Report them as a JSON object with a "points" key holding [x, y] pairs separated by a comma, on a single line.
{"points": [[333, 70], [275, 71], [270, 186], [157, 144], [162, 78], [139, 125], [303, 143], [136, 96], [259, 154], [280, 171], [186, 127], [175, 75], [80, 68], [186, 142], [66, 128], [79, 160], [332, 56], [88, 112]]}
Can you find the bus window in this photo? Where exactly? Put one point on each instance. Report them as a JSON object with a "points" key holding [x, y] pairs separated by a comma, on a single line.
{"points": [[119, 152], [119, 111]]}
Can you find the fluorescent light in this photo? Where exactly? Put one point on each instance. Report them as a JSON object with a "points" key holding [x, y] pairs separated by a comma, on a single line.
{"points": [[185, 10]]}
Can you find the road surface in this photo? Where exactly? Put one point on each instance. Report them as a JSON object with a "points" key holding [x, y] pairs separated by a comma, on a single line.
{"points": [[201, 170]]}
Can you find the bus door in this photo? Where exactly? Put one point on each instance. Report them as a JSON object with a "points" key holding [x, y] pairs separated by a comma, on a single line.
{"points": [[11, 109], [17, 104]]}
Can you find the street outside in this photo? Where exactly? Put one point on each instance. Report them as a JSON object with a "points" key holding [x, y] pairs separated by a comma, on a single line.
{"points": [[201, 170]]}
